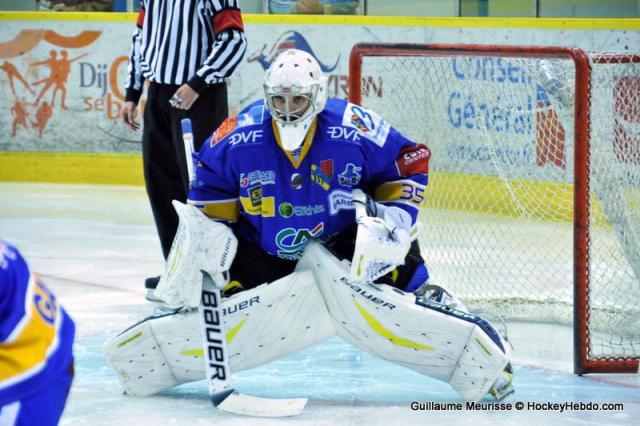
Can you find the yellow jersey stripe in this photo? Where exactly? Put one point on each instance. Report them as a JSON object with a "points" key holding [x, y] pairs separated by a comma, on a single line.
{"points": [[37, 340], [405, 191]]}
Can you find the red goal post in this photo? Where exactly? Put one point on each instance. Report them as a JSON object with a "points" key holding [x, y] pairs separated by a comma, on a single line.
{"points": [[428, 69]]}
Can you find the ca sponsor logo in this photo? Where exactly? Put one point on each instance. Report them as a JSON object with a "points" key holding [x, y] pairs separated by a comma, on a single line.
{"points": [[246, 137], [287, 210], [350, 176], [291, 242], [340, 200], [344, 133]]}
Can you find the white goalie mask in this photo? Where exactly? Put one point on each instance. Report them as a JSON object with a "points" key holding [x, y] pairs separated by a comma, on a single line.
{"points": [[295, 91]]}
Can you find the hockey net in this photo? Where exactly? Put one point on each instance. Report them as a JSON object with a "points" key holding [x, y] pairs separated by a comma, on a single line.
{"points": [[533, 204]]}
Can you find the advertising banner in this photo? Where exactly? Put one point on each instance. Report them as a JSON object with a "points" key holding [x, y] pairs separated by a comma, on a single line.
{"points": [[62, 81]]}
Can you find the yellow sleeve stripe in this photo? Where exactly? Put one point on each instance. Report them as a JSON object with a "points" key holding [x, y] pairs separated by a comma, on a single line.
{"points": [[403, 191], [27, 354], [224, 209]]}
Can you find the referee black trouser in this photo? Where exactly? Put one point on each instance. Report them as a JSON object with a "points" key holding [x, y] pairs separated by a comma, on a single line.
{"points": [[164, 161]]}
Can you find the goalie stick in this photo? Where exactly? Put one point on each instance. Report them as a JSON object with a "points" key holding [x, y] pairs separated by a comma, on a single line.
{"points": [[216, 354]]}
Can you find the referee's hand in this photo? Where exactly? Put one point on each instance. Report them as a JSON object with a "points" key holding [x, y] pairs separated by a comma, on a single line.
{"points": [[184, 97], [128, 116]]}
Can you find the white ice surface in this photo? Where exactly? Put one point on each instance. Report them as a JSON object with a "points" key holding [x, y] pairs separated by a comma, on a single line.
{"points": [[94, 245]]}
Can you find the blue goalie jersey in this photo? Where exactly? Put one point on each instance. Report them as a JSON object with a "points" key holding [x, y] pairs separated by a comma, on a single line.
{"points": [[36, 334], [280, 200]]}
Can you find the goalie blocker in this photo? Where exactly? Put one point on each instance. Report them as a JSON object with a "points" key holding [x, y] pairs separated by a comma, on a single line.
{"points": [[316, 301]]}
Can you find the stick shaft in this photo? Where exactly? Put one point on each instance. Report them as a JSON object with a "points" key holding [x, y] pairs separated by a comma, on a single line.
{"points": [[187, 137], [210, 310]]}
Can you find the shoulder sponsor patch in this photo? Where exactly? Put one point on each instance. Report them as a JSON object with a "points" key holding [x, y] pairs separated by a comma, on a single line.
{"points": [[414, 160], [227, 126], [369, 124]]}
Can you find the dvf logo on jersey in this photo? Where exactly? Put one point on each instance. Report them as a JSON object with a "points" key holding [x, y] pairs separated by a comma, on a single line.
{"points": [[292, 241], [350, 176], [339, 132], [323, 174], [245, 137]]}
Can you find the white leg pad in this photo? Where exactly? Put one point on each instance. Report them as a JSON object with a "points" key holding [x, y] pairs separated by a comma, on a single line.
{"points": [[449, 345], [266, 323]]}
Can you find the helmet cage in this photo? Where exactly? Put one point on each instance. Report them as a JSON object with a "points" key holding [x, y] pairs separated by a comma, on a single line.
{"points": [[288, 115]]}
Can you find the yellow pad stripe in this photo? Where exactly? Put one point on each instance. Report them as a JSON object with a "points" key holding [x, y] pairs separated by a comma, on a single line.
{"points": [[229, 338], [378, 328], [232, 333]]}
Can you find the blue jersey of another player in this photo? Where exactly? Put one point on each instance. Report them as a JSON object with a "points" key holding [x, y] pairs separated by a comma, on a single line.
{"points": [[36, 338], [280, 200]]}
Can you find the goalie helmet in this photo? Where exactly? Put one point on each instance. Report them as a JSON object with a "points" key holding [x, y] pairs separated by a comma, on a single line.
{"points": [[295, 92]]}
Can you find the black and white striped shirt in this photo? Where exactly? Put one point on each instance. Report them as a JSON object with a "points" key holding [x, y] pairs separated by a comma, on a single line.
{"points": [[198, 42]]}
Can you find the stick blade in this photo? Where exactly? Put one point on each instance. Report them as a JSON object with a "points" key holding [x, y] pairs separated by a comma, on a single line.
{"points": [[237, 403]]}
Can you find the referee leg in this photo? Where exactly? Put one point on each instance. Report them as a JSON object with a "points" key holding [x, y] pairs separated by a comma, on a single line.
{"points": [[161, 164]]}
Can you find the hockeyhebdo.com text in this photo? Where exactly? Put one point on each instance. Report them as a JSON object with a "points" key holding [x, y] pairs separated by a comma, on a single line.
{"points": [[517, 406]]}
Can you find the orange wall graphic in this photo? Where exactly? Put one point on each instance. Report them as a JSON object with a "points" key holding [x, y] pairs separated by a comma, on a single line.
{"points": [[63, 88]]}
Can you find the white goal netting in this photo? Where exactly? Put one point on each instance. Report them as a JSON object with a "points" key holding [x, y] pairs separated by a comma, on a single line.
{"points": [[498, 222]]}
